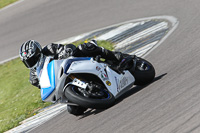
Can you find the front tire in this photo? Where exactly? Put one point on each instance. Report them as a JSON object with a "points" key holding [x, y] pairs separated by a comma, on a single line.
{"points": [[74, 95]]}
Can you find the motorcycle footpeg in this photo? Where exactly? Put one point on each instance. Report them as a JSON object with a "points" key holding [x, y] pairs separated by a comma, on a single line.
{"points": [[79, 83]]}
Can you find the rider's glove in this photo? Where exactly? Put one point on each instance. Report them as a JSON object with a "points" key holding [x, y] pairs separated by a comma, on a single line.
{"points": [[33, 78], [92, 45], [90, 48]]}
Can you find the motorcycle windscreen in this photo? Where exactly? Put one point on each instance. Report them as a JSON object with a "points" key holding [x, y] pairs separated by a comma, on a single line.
{"points": [[47, 80]]}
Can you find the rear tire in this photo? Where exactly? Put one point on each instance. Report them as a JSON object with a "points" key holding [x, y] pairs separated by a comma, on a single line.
{"points": [[76, 110], [74, 95], [144, 74]]}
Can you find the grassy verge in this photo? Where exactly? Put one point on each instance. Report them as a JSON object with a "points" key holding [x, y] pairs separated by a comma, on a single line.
{"points": [[18, 98], [4, 3], [106, 44]]}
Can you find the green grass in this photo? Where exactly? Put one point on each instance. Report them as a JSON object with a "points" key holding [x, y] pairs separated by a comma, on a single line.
{"points": [[106, 44], [18, 98], [4, 3]]}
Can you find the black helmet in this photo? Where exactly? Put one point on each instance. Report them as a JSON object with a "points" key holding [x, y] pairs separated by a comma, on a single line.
{"points": [[30, 53]]}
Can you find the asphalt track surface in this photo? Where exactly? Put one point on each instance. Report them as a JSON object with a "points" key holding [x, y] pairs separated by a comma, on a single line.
{"points": [[170, 104]]}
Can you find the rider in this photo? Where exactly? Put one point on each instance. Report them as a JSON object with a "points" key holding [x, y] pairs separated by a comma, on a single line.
{"points": [[31, 54]]}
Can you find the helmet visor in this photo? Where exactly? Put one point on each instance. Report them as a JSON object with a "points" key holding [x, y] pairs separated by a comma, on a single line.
{"points": [[32, 61]]}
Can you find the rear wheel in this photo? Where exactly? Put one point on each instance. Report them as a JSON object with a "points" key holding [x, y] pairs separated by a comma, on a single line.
{"points": [[144, 72], [76, 110], [97, 97]]}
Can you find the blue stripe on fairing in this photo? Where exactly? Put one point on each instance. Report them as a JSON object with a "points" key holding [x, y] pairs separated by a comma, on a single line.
{"points": [[45, 92], [69, 62]]}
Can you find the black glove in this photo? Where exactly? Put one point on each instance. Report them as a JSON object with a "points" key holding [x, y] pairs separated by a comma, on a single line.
{"points": [[91, 45], [33, 78], [35, 82], [90, 49]]}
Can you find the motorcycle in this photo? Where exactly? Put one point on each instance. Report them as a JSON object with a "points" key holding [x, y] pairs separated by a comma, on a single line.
{"points": [[87, 82]]}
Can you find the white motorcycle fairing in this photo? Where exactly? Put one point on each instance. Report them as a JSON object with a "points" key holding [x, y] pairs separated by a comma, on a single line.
{"points": [[53, 74], [113, 81]]}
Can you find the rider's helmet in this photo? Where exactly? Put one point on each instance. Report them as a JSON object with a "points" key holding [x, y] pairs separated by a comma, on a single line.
{"points": [[30, 53]]}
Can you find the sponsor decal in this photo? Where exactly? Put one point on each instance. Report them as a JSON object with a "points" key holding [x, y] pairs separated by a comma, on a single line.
{"points": [[117, 83], [40, 73], [104, 76], [123, 82], [24, 54], [98, 68], [108, 83]]}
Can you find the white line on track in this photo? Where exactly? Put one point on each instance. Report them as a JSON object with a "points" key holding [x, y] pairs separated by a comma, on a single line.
{"points": [[143, 34], [39, 119], [117, 31], [11, 5], [12, 58], [174, 25], [139, 52]]}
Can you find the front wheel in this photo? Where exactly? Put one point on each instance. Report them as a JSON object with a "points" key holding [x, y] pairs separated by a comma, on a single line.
{"points": [[98, 98], [144, 72]]}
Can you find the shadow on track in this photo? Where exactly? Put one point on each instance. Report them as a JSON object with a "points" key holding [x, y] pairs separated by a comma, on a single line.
{"points": [[128, 93], [136, 89], [91, 112]]}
